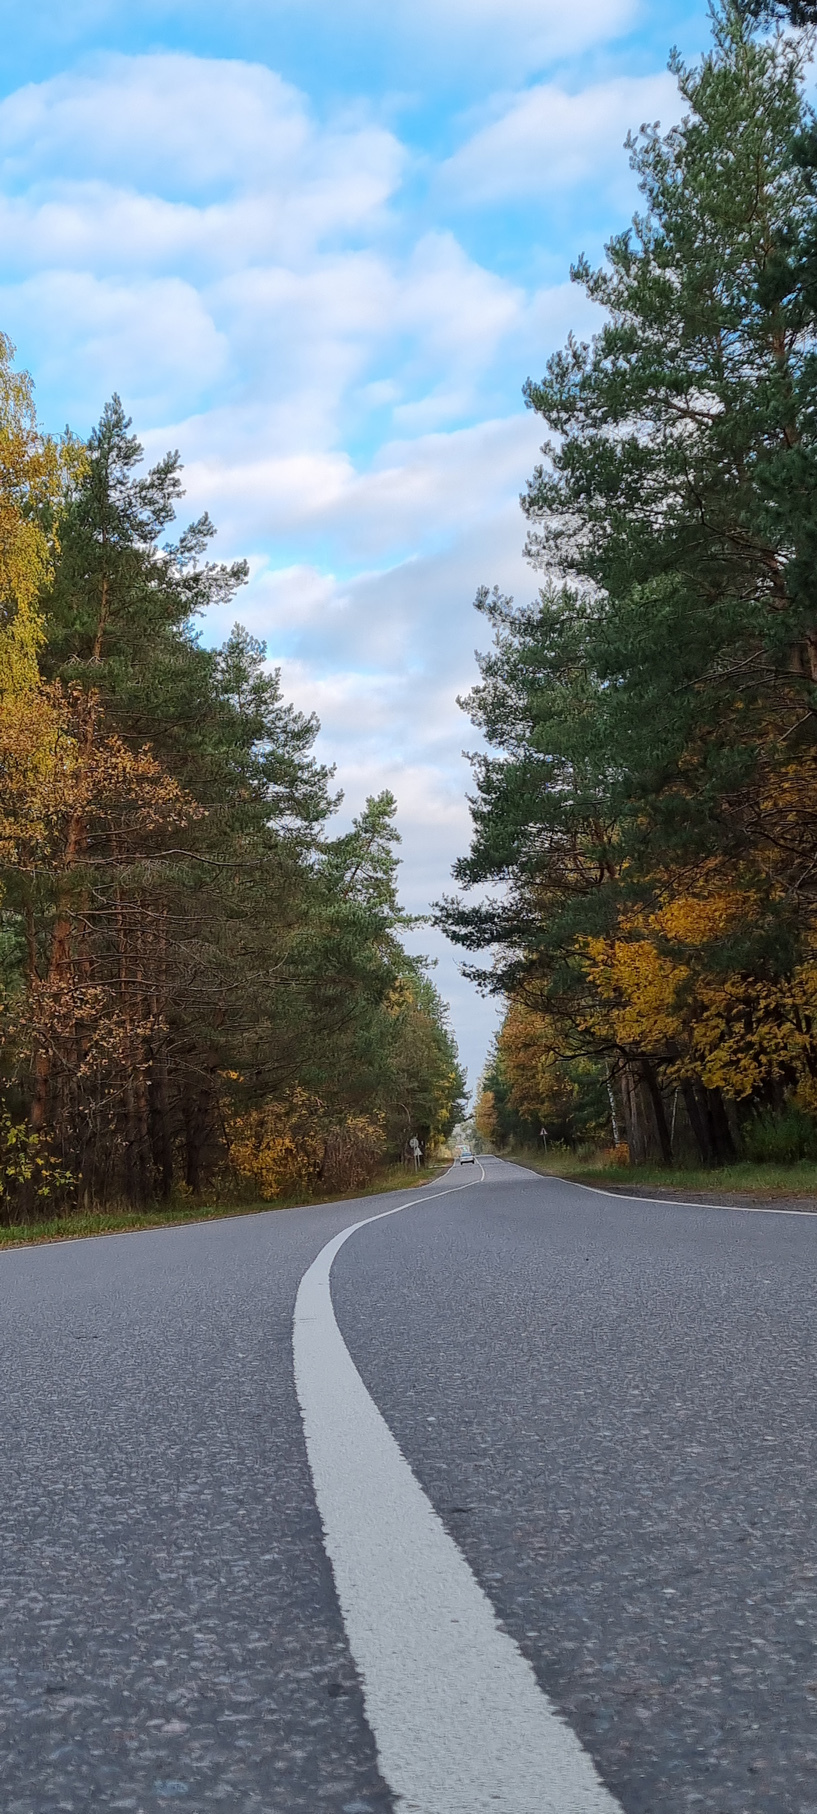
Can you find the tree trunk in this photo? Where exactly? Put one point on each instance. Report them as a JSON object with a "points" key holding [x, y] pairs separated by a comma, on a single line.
{"points": [[138, 1166], [613, 1111], [633, 1115], [657, 1105], [198, 1114], [699, 1123], [59, 967], [162, 1142], [723, 1146]]}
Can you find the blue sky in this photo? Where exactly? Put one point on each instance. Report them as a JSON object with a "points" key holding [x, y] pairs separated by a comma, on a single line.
{"points": [[318, 247]]}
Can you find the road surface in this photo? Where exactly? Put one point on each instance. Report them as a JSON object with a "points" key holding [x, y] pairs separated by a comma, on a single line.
{"points": [[563, 1446]]}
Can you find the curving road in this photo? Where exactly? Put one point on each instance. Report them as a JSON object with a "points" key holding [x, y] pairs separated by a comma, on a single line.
{"points": [[564, 1450]]}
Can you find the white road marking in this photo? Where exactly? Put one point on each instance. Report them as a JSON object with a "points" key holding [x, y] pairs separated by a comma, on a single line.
{"points": [[460, 1724], [620, 1196]]}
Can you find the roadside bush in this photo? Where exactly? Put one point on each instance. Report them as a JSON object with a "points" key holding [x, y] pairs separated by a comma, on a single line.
{"points": [[32, 1180], [278, 1149], [780, 1137], [353, 1153], [286, 1147]]}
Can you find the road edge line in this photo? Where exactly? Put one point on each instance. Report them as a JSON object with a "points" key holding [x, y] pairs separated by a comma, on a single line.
{"points": [[620, 1196]]}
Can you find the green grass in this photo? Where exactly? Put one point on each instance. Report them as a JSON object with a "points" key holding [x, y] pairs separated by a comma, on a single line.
{"points": [[744, 1178], [174, 1214]]}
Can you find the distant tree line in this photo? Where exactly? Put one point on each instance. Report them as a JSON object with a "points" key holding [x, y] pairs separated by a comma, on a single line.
{"points": [[646, 811], [200, 987]]}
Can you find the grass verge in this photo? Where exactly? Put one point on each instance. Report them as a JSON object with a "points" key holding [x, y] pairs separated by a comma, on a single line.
{"points": [[744, 1179], [174, 1214]]}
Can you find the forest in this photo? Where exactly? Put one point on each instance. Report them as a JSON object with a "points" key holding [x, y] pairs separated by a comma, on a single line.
{"points": [[203, 988], [645, 804]]}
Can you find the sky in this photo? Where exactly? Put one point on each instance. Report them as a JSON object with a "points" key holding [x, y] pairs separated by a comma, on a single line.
{"points": [[318, 246]]}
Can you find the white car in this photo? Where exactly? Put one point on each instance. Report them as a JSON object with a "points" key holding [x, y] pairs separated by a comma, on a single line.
{"points": [[466, 1156]]}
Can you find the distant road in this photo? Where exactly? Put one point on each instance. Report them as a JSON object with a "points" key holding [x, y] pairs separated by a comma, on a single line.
{"points": [[564, 1450]]}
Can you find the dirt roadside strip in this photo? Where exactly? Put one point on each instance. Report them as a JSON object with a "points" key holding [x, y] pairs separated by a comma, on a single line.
{"points": [[722, 1199], [803, 1202]]}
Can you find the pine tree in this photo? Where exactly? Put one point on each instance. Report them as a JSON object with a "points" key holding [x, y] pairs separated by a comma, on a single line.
{"points": [[656, 709], [190, 962]]}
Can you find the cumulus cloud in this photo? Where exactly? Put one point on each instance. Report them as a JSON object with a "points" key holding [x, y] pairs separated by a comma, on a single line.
{"points": [[415, 493], [409, 40], [74, 224], [382, 655], [518, 36], [546, 140], [154, 339], [254, 288], [180, 125]]}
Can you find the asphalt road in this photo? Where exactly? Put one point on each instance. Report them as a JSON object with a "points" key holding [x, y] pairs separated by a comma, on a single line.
{"points": [[609, 1403]]}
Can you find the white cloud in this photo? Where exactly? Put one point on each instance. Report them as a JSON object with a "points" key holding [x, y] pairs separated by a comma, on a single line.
{"points": [[546, 140], [80, 223], [255, 292], [172, 162], [255, 289], [417, 493], [176, 124], [381, 655], [153, 339], [508, 40], [409, 41]]}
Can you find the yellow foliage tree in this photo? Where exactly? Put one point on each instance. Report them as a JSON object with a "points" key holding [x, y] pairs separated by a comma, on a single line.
{"points": [[531, 1048], [485, 1116], [31, 477], [662, 988], [286, 1146]]}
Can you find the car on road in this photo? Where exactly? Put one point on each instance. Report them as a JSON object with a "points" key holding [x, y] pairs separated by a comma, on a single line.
{"points": [[466, 1156]]}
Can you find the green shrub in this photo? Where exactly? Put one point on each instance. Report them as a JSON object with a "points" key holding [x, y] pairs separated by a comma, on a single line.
{"points": [[781, 1136]]}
